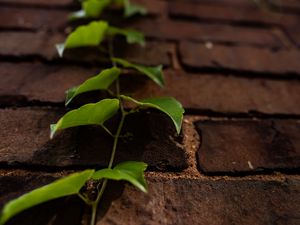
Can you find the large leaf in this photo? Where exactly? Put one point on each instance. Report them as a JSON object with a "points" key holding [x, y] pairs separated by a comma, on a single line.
{"points": [[84, 36], [100, 82], [89, 114], [153, 72], [132, 172], [132, 36], [69, 185], [168, 105], [132, 9]]}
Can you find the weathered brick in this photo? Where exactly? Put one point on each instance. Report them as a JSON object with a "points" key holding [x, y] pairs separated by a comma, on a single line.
{"points": [[25, 140], [26, 82], [222, 12], [193, 201], [60, 211], [22, 44], [42, 44], [39, 2], [184, 201], [225, 33], [29, 18], [239, 58], [248, 145]]}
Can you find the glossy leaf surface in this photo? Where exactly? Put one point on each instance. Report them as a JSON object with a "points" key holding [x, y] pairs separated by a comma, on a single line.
{"points": [[100, 82], [130, 171], [167, 105], [89, 114], [94, 8], [69, 185], [84, 36], [153, 72]]}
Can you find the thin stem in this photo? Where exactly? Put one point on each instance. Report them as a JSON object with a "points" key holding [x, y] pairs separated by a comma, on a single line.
{"points": [[107, 130], [116, 138]]}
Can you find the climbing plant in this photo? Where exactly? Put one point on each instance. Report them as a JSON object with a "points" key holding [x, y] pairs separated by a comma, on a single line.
{"points": [[94, 34]]}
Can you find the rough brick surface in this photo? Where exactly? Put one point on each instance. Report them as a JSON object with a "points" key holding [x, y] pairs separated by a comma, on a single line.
{"points": [[39, 2], [178, 201], [248, 145], [188, 201], [239, 58], [30, 18], [29, 82], [87, 146]]}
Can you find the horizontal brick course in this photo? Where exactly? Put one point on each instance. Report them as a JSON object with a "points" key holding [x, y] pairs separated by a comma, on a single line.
{"points": [[239, 58], [31, 82], [248, 145], [25, 135], [183, 201]]}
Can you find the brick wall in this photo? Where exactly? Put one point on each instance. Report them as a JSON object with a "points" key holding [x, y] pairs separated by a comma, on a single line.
{"points": [[233, 65]]}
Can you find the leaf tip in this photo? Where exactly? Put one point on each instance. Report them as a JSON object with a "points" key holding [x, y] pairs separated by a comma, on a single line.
{"points": [[60, 49]]}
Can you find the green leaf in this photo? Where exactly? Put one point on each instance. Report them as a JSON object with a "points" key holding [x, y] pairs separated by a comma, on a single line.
{"points": [[89, 114], [69, 185], [130, 171], [132, 36], [153, 72], [167, 105], [84, 36], [100, 82], [132, 9], [94, 8]]}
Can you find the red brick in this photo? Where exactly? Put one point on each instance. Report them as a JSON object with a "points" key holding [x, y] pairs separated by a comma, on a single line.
{"points": [[42, 44], [248, 145], [225, 12], [156, 7], [167, 29], [25, 140], [22, 44], [239, 58], [194, 201], [29, 18], [39, 2], [25, 82]]}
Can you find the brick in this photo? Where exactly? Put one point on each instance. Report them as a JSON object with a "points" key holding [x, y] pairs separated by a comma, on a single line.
{"points": [[25, 135], [223, 12], [174, 201], [248, 145], [39, 2], [20, 85], [42, 44], [29, 18], [194, 201], [239, 58], [224, 33], [23, 44], [60, 211], [156, 7]]}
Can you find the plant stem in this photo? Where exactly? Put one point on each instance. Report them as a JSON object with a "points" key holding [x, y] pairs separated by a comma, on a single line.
{"points": [[116, 139]]}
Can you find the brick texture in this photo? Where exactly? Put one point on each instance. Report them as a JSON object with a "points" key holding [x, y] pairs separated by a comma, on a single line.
{"points": [[239, 58], [248, 145], [80, 147]]}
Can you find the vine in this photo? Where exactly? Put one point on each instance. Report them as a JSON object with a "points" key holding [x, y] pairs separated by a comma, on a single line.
{"points": [[92, 35]]}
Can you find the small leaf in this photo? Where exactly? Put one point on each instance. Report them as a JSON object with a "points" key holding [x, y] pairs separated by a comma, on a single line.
{"points": [[94, 8], [100, 82], [89, 114], [84, 36], [168, 105], [153, 72], [132, 9], [69, 185], [132, 36], [130, 171]]}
